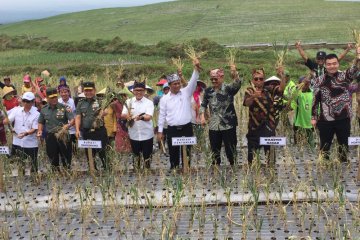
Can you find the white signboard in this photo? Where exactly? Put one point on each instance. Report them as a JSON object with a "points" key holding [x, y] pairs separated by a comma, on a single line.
{"points": [[277, 141], [354, 141], [4, 150], [179, 141], [89, 144]]}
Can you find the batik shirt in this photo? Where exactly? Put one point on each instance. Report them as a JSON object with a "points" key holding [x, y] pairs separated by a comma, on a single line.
{"points": [[221, 106], [264, 109], [332, 98]]}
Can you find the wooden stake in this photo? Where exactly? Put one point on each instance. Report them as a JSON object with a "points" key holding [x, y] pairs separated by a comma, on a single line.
{"points": [[162, 146], [358, 176], [2, 184], [91, 162], [185, 159]]}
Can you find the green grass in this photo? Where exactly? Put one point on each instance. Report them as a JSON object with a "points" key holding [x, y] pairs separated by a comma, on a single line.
{"points": [[226, 22]]}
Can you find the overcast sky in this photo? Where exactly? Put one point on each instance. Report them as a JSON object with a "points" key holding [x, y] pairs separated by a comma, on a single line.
{"points": [[18, 10]]}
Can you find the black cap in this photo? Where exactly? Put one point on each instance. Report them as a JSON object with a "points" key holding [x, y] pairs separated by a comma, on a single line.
{"points": [[51, 92], [320, 55], [89, 85]]}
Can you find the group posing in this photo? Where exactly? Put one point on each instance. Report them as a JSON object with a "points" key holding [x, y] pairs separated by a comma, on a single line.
{"points": [[322, 100]]}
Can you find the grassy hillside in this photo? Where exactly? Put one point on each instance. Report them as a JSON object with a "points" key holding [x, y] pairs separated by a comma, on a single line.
{"points": [[225, 21]]}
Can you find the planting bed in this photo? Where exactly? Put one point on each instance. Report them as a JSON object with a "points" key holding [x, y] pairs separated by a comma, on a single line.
{"points": [[300, 196]]}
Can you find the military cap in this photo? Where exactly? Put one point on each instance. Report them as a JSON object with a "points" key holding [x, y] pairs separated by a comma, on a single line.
{"points": [[89, 85], [51, 92]]}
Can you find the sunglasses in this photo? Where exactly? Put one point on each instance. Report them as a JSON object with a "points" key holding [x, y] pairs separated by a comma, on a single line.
{"points": [[26, 101], [258, 79]]}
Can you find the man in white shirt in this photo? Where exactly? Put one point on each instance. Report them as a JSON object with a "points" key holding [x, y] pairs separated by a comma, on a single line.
{"points": [[25, 121], [139, 112], [70, 105], [175, 109]]}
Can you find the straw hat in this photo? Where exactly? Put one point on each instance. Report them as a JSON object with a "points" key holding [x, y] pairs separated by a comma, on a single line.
{"points": [[7, 90]]}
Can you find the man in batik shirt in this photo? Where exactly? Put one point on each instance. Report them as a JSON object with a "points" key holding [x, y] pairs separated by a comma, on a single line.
{"points": [[331, 108], [223, 120], [263, 111]]}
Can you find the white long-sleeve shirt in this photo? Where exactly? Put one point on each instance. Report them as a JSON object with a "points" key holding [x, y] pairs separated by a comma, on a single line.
{"points": [[176, 109]]}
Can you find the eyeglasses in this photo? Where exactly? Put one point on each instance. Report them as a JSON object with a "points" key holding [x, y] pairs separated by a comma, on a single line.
{"points": [[258, 79], [26, 101], [213, 79]]}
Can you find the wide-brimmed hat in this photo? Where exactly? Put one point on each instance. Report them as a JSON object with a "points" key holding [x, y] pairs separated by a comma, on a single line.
{"points": [[273, 78], [161, 82], [6, 90]]}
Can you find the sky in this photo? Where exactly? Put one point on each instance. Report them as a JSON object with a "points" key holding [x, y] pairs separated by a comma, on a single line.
{"points": [[18, 10]]}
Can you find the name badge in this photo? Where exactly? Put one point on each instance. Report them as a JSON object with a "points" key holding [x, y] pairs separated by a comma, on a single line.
{"points": [[89, 144], [179, 141], [276, 141]]}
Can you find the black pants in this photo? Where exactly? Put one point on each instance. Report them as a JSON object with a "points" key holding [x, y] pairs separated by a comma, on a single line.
{"points": [[142, 147], [175, 151], [253, 137], [229, 138], [327, 130], [98, 134], [55, 147], [24, 153]]}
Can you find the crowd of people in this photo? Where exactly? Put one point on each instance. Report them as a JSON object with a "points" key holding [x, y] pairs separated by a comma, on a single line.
{"points": [[133, 122]]}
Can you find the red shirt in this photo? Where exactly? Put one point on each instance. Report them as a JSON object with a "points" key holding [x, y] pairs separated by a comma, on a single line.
{"points": [[10, 104]]}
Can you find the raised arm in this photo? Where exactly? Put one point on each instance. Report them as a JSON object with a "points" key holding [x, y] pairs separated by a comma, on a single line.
{"points": [[347, 49], [301, 51], [190, 88]]}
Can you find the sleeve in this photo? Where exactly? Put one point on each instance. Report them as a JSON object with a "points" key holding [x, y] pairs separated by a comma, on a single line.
{"points": [[125, 107], [311, 64], [352, 73], [35, 122], [205, 101], [234, 87], [316, 102], [150, 109], [69, 115], [11, 115], [78, 111], [162, 114], [190, 88], [41, 118], [2, 85]]}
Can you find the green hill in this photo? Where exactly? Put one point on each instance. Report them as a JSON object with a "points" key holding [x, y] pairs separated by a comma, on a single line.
{"points": [[225, 21]]}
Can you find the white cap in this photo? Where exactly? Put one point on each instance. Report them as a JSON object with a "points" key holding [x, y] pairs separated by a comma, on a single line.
{"points": [[273, 78], [28, 96]]}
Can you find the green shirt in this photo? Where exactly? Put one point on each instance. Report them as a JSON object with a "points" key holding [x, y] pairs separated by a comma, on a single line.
{"points": [[303, 104], [89, 110], [290, 90], [55, 117]]}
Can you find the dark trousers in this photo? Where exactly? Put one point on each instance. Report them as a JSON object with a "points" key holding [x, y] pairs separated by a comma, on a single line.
{"points": [[24, 153], [143, 148], [253, 137], [55, 147], [327, 129], [175, 151], [229, 138], [98, 134]]}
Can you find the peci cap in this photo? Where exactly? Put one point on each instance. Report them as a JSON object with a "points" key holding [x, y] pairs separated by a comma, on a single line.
{"points": [[28, 96], [172, 78], [89, 85], [51, 92], [320, 55]]}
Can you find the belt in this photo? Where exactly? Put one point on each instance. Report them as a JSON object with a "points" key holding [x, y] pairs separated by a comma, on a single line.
{"points": [[180, 127], [91, 129]]}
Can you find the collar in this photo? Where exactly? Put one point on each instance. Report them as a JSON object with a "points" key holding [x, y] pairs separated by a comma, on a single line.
{"points": [[177, 94]]}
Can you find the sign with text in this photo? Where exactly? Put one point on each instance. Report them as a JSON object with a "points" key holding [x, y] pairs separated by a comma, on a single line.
{"points": [[4, 150], [89, 144], [179, 141], [277, 141], [352, 141]]}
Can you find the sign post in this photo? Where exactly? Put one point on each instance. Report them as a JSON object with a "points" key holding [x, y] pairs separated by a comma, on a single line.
{"points": [[272, 141], [183, 142], [355, 141], [90, 144], [3, 150]]}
